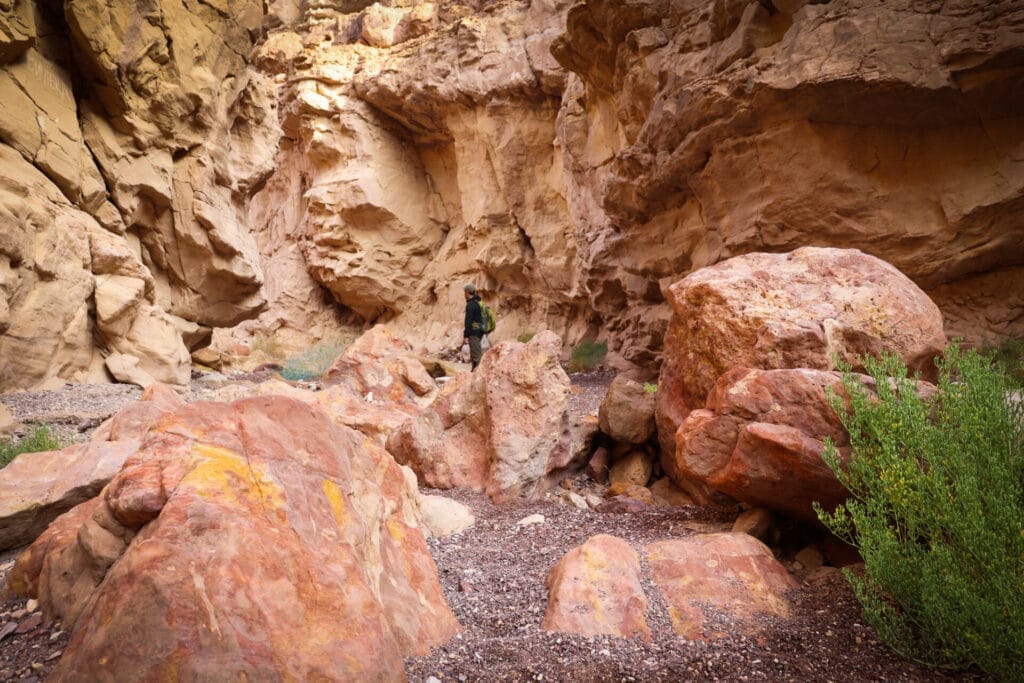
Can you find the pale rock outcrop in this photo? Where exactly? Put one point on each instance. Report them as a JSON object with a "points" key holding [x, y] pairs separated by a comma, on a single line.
{"points": [[382, 366], [804, 309], [595, 589], [422, 163], [627, 412], [695, 132], [504, 429], [297, 539], [731, 573], [127, 158]]}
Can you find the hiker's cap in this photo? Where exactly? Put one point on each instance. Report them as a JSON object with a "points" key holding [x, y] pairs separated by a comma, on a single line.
{"points": [[470, 288]]}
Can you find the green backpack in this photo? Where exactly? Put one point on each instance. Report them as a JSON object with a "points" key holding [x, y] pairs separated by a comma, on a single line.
{"points": [[488, 317]]}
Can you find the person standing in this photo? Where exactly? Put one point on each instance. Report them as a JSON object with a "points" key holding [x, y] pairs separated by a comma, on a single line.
{"points": [[473, 331]]}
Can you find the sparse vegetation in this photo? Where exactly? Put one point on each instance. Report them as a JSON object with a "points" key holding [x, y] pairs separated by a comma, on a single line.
{"points": [[525, 337], [651, 388], [268, 345], [312, 363], [937, 511], [39, 439], [1010, 354], [587, 355]]}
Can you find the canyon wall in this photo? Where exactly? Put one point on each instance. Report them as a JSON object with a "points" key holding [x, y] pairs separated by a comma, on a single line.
{"points": [[131, 138], [435, 143], [293, 171]]}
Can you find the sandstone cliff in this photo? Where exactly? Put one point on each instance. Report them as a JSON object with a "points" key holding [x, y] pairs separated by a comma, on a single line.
{"points": [[131, 138], [173, 168]]}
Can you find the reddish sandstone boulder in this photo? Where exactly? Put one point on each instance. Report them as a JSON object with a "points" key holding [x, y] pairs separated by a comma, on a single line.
{"points": [[505, 429], [760, 440], [795, 310], [246, 540], [703, 576], [380, 365], [134, 420], [627, 412], [595, 590]]}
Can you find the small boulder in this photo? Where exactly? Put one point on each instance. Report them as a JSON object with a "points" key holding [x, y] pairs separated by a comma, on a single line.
{"points": [[665, 492], [755, 522], [441, 517], [733, 574], [627, 490], [634, 467], [627, 412], [597, 466], [595, 589]]}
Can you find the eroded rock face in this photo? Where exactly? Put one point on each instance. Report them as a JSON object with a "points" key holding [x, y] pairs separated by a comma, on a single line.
{"points": [[125, 169], [799, 310], [693, 132], [504, 429], [251, 522], [421, 140]]}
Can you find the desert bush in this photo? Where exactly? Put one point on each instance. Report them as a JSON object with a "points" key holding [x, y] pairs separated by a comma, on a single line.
{"points": [[937, 511], [268, 345], [312, 363], [587, 355], [525, 337], [651, 388], [39, 439]]}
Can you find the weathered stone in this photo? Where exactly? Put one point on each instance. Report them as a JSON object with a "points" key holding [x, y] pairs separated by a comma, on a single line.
{"points": [[37, 487], [628, 490], [441, 517], [804, 309], [665, 492], [627, 412], [761, 437], [380, 365], [595, 589], [755, 522], [319, 524], [597, 466], [694, 132], [734, 574], [504, 429], [7, 421], [634, 467]]}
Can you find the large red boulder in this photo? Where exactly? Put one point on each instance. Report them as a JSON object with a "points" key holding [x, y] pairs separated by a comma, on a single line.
{"points": [[760, 440], [248, 540], [505, 429], [804, 309]]}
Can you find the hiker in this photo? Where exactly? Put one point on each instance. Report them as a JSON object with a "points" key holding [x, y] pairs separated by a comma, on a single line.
{"points": [[473, 332]]}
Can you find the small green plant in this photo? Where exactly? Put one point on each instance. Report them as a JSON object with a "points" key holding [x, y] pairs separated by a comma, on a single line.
{"points": [[525, 337], [937, 511], [312, 363], [650, 388], [39, 439], [587, 355]]}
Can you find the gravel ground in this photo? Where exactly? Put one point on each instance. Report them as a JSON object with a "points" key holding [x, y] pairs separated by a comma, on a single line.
{"points": [[494, 577]]}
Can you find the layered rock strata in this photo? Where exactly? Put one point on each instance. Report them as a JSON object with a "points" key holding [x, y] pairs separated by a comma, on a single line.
{"points": [[131, 137]]}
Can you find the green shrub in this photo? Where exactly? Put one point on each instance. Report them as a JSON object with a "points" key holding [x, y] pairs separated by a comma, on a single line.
{"points": [[312, 363], [525, 337], [587, 355], [650, 388], [937, 512], [39, 439]]}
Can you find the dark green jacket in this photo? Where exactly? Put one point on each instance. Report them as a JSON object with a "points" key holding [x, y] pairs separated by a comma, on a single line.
{"points": [[474, 319]]}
